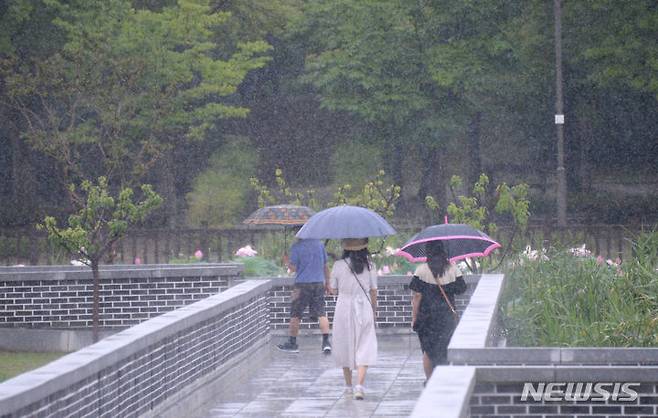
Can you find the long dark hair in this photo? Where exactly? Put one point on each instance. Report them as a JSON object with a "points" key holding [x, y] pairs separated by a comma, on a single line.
{"points": [[437, 259], [359, 260]]}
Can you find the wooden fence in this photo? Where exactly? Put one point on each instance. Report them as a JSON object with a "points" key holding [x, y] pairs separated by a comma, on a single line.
{"points": [[160, 246]]}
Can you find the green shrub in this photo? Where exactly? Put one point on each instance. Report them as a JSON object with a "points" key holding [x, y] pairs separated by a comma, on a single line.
{"points": [[220, 193], [259, 267]]}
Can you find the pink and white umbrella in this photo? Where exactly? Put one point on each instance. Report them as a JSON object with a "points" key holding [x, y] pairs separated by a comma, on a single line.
{"points": [[459, 240]]}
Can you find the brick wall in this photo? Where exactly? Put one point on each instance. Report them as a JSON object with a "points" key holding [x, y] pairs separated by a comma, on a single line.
{"points": [[147, 367], [504, 400], [393, 306], [62, 297]]}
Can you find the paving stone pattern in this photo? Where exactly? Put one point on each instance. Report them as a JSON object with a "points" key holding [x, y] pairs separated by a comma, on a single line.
{"points": [[308, 384]]}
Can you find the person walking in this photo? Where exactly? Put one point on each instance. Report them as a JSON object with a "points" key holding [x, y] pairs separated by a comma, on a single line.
{"points": [[308, 259], [354, 278], [434, 285]]}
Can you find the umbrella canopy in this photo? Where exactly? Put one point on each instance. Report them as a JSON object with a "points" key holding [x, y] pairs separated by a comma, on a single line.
{"points": [[459, 240], [287, 215], [345, 222]]}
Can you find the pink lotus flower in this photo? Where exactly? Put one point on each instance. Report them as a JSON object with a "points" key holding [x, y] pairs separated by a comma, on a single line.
{"points": [[246, 251]]}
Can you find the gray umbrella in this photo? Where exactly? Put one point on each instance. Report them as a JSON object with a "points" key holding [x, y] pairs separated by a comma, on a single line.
{"points": [[345, 222]]}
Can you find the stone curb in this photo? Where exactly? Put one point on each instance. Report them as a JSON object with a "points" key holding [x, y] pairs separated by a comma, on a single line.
{"points": [[447, 393], [24, 389], [121, 272]]}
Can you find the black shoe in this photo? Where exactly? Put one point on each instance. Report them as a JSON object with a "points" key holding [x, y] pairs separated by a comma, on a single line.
{"points": [[288, 347], [326, 347]]}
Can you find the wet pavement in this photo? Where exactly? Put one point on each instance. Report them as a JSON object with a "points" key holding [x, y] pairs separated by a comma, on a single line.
{"points": [[272, 383]]}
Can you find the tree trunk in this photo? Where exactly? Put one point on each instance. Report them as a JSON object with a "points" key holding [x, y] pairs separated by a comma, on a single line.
{"points": [[427, 160], [433, 179], [474, 161], [395, 154], [584, 169], [15, 169], [95, 313], [169, 190], [397, 160], [23, 182]]}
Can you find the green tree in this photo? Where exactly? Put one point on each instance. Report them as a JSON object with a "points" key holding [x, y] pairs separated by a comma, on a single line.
{"points": [[354, 164], [377, 194], [100, 221], [221, 192], [282, 194], [126, 85], [421, 72], [612, 85], [482, 209], [616, 41]]}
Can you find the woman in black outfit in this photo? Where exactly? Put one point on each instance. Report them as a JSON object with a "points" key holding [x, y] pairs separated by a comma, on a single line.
{"points": [[432, 317]]}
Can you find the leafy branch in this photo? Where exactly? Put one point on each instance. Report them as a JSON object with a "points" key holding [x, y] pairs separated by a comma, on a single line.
{"points": [[101, 220], [478, 209], [282, 194]]}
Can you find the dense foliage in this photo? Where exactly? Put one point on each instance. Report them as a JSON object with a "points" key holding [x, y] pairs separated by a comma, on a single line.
{"points": [[329, 92], [564, 299]]}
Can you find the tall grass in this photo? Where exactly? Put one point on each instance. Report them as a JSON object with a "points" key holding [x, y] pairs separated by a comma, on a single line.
{"points": [[566, 300]]}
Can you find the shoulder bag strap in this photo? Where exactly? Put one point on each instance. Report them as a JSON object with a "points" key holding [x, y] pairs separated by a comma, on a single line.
{"points": [[358, 281], [445, 296]]}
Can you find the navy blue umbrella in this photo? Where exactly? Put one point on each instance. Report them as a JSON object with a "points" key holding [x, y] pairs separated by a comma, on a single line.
{"points": [[345, 222]]}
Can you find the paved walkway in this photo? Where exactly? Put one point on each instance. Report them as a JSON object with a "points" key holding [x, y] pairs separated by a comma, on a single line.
{"points": [[272, 383]]}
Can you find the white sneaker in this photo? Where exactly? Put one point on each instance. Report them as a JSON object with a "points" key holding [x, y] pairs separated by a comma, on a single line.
{"points": [[348, 391], [359, 392]]}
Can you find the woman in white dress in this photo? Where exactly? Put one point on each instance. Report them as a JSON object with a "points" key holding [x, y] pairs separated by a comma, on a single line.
{"points": [[354, 338]]}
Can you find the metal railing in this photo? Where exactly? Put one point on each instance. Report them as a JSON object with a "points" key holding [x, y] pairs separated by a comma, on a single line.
{"points": [[27, 246]]}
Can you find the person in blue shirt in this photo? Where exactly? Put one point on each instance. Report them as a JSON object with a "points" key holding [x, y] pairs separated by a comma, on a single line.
{"points": [[308, 259]]}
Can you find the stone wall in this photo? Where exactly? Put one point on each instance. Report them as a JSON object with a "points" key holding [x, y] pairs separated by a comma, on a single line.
{"points": [[61, 297], [497, 391], [504, 399], [393, 307], [159, 363], [145, 369]]}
